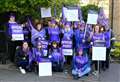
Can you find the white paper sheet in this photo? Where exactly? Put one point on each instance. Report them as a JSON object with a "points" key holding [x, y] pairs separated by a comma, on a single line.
{"points": [[99, 53], [45, 12], [45, 69]]}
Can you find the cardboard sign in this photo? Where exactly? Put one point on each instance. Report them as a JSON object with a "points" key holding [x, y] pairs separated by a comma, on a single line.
{"points": [[17, 33], [92, 18], [45, 69], [99, 53], [71, 14], [45, 12]]}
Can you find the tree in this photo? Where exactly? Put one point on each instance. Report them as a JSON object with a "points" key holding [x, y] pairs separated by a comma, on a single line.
{"points": [[32, 7]]}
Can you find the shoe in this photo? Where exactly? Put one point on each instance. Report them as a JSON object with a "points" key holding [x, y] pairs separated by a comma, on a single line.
{"points": [[75, 77], [22, 70]]}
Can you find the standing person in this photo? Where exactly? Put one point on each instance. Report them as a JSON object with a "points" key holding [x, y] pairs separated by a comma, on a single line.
{"points": [[97, 36], [81, 38], [81, 64], [67, 32], [109, 44], [26, 32], [11, 43], [24, 57], [38, 32], [54, 32]]}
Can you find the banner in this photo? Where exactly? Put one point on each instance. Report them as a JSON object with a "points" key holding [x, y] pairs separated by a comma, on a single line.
{"points": [[99, 53], [45, 12], [17, 32]]}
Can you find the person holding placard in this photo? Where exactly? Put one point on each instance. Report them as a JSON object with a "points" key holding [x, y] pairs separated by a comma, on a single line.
{"points": [[38, 54], [96, 37], [81, 64], [56, 57], [13, 29]]}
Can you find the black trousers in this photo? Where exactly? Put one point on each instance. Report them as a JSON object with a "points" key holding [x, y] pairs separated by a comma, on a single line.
{"points": [[12, 49], [106, 64]]}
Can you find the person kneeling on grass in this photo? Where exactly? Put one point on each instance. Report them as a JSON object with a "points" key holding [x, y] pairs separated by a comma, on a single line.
{"points": [[23, 58], [81, 65]]}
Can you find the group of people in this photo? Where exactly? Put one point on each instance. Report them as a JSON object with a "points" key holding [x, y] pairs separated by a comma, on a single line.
{"points": [[39, 37]]}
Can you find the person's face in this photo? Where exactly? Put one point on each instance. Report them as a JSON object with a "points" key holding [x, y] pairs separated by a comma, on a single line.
{"points": [[12, 18], [53, 25], [39, 27], [97, 29], [49, 23], [67, 26], [39, 46], [55, 45], [80, 53], [102, 29], [25, 45]]}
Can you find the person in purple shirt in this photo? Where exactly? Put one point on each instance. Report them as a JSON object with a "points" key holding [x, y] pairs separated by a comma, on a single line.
{"points": [[54, 32], [109, 37], [81, 39], [12, 44], [38, 32], [23, 57], [56, 57], [67, 31], [96, 37], [81, 64]]}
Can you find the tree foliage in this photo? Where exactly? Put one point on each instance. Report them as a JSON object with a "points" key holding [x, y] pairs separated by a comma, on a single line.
{"points": [[32, 7]]}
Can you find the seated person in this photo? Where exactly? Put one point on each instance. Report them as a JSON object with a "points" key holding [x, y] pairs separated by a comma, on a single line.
{"points": [[39, 55], [56, 57], [23, 57], [81, 65]]}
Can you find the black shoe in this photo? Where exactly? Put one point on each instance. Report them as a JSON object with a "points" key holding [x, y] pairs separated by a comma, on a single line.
{"points": [[75, 77]]}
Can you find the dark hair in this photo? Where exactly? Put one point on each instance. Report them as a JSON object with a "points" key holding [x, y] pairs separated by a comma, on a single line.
{"points": [[103, 28], [95, 26]]}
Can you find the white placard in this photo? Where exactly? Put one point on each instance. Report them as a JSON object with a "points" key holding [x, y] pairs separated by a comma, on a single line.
{"points": [[99, 53], [72, 15], [92, 18], [45, 12], [17, 37], [67, 52], [45, 69]]}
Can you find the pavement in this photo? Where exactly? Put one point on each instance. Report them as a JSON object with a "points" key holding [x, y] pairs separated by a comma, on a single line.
{"points": [[9, 73]]}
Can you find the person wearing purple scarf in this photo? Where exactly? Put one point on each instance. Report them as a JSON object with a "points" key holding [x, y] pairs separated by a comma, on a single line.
{"points": [[81, 64], [38, 32]]}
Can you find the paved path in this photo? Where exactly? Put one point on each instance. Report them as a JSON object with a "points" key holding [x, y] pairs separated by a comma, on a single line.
{"points": [[8, 73]]}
